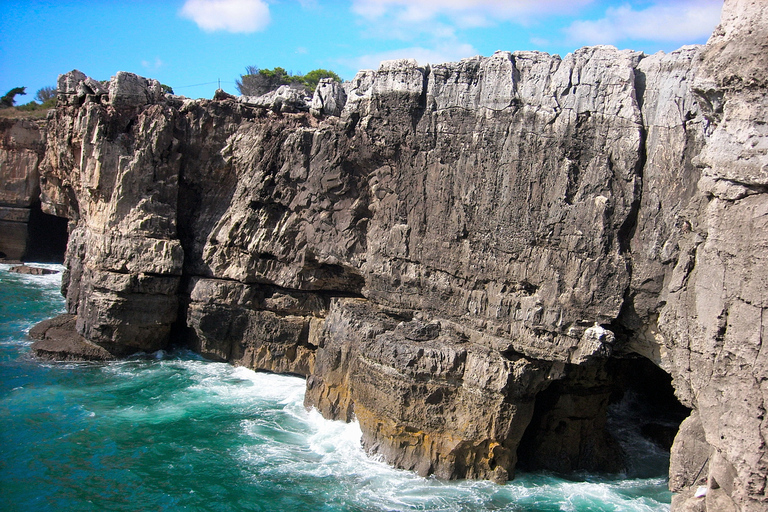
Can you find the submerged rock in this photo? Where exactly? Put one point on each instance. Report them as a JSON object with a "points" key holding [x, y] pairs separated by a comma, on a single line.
{"points": [[37, 271]]}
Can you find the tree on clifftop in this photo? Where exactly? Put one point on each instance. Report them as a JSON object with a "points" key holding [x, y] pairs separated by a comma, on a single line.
{"points": [[313, 77], [45, 94], [9, 100], [261, 81]]}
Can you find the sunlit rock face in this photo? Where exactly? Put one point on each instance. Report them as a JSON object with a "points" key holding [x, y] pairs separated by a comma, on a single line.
{"points": [[713, 323], [21, 149], [448, 252]]}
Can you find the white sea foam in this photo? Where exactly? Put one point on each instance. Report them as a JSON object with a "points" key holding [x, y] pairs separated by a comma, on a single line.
{"points": [[26, 289], [320, 449], [42, 281], [200, 419]]}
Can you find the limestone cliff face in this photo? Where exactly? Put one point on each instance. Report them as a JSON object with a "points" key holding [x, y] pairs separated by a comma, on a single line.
{"points": [[713, 323], [25, 231], [21, 149], [456, 243]]}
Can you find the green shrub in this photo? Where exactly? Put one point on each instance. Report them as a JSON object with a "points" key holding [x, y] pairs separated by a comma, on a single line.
{"points": [[29, 107], [312, 78], [46, 94], [261, 81], [45, 99]]}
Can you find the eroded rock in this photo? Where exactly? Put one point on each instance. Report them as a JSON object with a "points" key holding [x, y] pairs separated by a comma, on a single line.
{"points": [[329, 98], [57, 340], [35, 271], [21, 150], [449, 247]]}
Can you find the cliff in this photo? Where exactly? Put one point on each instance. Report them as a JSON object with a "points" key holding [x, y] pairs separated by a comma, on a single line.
{"points": [[457, 255], [27, 233]]}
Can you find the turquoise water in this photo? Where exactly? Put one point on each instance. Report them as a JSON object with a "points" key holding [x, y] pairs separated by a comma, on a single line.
{"points": [[170, 431]]}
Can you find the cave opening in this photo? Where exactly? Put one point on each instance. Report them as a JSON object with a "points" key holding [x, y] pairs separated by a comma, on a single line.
{"points": [[47, 237], [616, 416], [644, 415]]}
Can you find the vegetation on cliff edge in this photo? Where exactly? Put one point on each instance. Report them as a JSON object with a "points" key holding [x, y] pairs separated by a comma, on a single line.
{"points": [[261, 81]]}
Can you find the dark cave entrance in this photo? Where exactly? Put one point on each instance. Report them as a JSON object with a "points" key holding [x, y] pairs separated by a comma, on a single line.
{"points": [[615, 416], [47, 237]]}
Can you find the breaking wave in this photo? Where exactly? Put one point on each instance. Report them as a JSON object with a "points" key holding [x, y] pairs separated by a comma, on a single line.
{"points": [[171, 431]]}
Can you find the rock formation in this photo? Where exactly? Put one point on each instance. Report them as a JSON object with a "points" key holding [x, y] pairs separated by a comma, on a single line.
{"points": [[712, 324], [21, 149], [449, 253]]}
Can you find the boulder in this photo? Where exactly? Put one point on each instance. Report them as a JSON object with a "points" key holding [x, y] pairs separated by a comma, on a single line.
{"points": [[329, 98]]}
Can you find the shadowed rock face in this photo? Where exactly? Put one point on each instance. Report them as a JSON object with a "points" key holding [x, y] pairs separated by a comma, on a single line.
{"points": [[460, 251], [21, 149]]}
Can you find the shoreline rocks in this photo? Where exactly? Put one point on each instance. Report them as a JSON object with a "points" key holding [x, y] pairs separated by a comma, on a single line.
{"points": [[57, 340], [452, 254], [35, 271]]}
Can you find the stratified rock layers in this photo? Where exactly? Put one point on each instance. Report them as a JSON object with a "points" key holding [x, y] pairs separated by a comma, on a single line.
{"points": [[713, 323], [460, 238], [21, 149]]}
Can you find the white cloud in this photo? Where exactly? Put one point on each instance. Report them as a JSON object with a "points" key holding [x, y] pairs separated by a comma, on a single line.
{"points": [[447, 53], [670, 22], [229, 15], [436, 27], [466, 12]]}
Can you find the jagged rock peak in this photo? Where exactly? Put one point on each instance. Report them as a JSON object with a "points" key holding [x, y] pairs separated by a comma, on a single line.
{"points": [[124, 90], [329, 98]]}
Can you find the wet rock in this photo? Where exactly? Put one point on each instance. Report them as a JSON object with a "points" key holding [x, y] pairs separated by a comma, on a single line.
{"points": [[57, 340], [464, 245], [568, 432], [661, 434], [35, 271], [255, 326]]}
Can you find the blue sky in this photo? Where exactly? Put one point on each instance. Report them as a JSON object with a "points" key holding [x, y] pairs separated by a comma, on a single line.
{"points": [[192, 44]]}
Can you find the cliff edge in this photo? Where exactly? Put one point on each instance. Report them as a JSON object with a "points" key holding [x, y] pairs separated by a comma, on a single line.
{"points": [[461, 256]]}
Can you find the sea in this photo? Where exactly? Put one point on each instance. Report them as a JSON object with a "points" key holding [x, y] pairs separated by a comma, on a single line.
{"points": [[171, 431]]}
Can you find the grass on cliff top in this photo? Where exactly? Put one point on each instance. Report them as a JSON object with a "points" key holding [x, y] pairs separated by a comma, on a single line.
{"points": [[14, 113]]}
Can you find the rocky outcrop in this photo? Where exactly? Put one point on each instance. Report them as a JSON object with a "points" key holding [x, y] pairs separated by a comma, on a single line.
{"points": [[329, 98], [34, 271], [54, 341], [124, 258], [285, 98], [712, 323], [451, 254], [21, 149]]}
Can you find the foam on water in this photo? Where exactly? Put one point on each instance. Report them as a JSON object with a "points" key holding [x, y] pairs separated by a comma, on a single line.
{"points": [[335, 452], [171, 431]]}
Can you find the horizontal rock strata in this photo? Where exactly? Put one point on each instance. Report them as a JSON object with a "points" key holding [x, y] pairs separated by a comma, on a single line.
{"points": [[21, 149], [450, 254]]}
